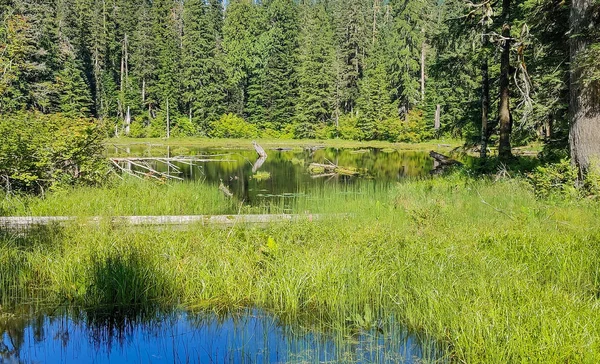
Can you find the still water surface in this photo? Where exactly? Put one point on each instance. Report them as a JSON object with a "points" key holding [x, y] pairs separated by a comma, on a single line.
{"points": [[284, 172], [178, 337]]}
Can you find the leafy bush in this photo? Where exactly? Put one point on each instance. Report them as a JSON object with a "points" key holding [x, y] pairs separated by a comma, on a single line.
{"points": [[559, 179], [414, 128], [40, 151], [388, 129], [138, 128], [158, 126], [348, 128], [324, 131], [183, 127], [592, 178], [233, 126]]}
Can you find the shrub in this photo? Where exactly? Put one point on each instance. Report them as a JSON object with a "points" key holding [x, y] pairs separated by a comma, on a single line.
{"points": [[414, 128], [592, 178], [183, 127], [138, 128], [325, 131], [233, 126], [388, 129], [559, 179], [40, 151], [348, 128]]}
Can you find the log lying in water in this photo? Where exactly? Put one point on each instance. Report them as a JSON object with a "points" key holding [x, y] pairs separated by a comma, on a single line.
{"points": [[321, 169], [443, 160], [25, 222]]}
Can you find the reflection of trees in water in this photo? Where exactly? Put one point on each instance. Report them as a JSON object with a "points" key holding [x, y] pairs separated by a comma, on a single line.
{"points": [[225, 334]]}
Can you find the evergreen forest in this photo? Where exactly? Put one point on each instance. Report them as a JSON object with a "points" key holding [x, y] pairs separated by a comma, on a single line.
{"points": [[490, 72]]}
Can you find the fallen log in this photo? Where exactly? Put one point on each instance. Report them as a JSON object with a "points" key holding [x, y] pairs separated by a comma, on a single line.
{"points": [[442, 159], [321, 168], [27, 222]]}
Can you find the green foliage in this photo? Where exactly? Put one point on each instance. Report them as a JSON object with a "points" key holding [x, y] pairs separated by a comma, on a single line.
{"points": [[348, 128], [587, 62], [138, 128], [325, 131], [203, 75], [316, 75], [291, 67], [562, 179], [233, 126], [183, 127], [39, 152], [559, 179], [74, 97], [428, 254]]}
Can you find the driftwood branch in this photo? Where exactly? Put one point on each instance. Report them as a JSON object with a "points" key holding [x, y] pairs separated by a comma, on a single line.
{"points": [[259, 150], [144, 167]]}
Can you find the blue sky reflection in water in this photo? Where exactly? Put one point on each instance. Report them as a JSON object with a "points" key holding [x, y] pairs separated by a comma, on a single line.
{"points": [[251, 337]]}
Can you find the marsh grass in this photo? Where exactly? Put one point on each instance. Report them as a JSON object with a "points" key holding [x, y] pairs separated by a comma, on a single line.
{"points": [[127, 197], [486, 269], [293, 143]]}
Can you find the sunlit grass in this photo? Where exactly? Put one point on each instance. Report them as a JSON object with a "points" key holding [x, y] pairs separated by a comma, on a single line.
{"points": [[446, 143], [493, 274], [127, 197]]}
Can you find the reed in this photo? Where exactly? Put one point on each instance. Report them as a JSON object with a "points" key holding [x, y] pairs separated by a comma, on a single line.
{"points": [[489, 271], [126, 197]]}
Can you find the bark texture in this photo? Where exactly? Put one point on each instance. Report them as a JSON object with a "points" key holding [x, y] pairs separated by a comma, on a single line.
{"points": [[504, 117], [584, 136], [485, 101]]}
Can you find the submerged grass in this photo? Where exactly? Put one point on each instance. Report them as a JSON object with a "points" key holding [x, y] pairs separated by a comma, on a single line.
{"points": [[490, 272]]}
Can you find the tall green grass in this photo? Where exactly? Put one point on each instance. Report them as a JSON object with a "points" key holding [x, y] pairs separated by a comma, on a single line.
{"points": [[490, 272], [123, 197]]}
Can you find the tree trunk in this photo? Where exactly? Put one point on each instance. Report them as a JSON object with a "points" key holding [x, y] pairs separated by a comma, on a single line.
{"points": [[168, 121], [127, 121], [584, 136], [423, 70], [437, 123], [504, 117], [485, 96]]}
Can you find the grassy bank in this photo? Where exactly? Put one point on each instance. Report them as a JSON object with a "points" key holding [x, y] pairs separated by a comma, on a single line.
{"points": [[289, 143], [489, 271], [123, 198]]}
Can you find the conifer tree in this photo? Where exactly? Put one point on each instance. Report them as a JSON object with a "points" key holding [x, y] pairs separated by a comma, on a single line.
{"points": [[242, 27], [409, 19], [374, 103], [144, 61], [73, 93], [202, 62], [352, 31], [316, 77], [278, 78], [166, 43]]}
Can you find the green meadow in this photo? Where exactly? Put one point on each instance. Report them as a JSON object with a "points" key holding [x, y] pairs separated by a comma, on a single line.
{"points": [[488, 271]]}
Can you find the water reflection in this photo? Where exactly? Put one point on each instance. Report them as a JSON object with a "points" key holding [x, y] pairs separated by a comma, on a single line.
{"points": [[288, 169], [244, 337]]}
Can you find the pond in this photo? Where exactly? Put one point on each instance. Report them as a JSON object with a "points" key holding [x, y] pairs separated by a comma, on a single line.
{"points": [[70, 335], [285, 172], [250, 336]]}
